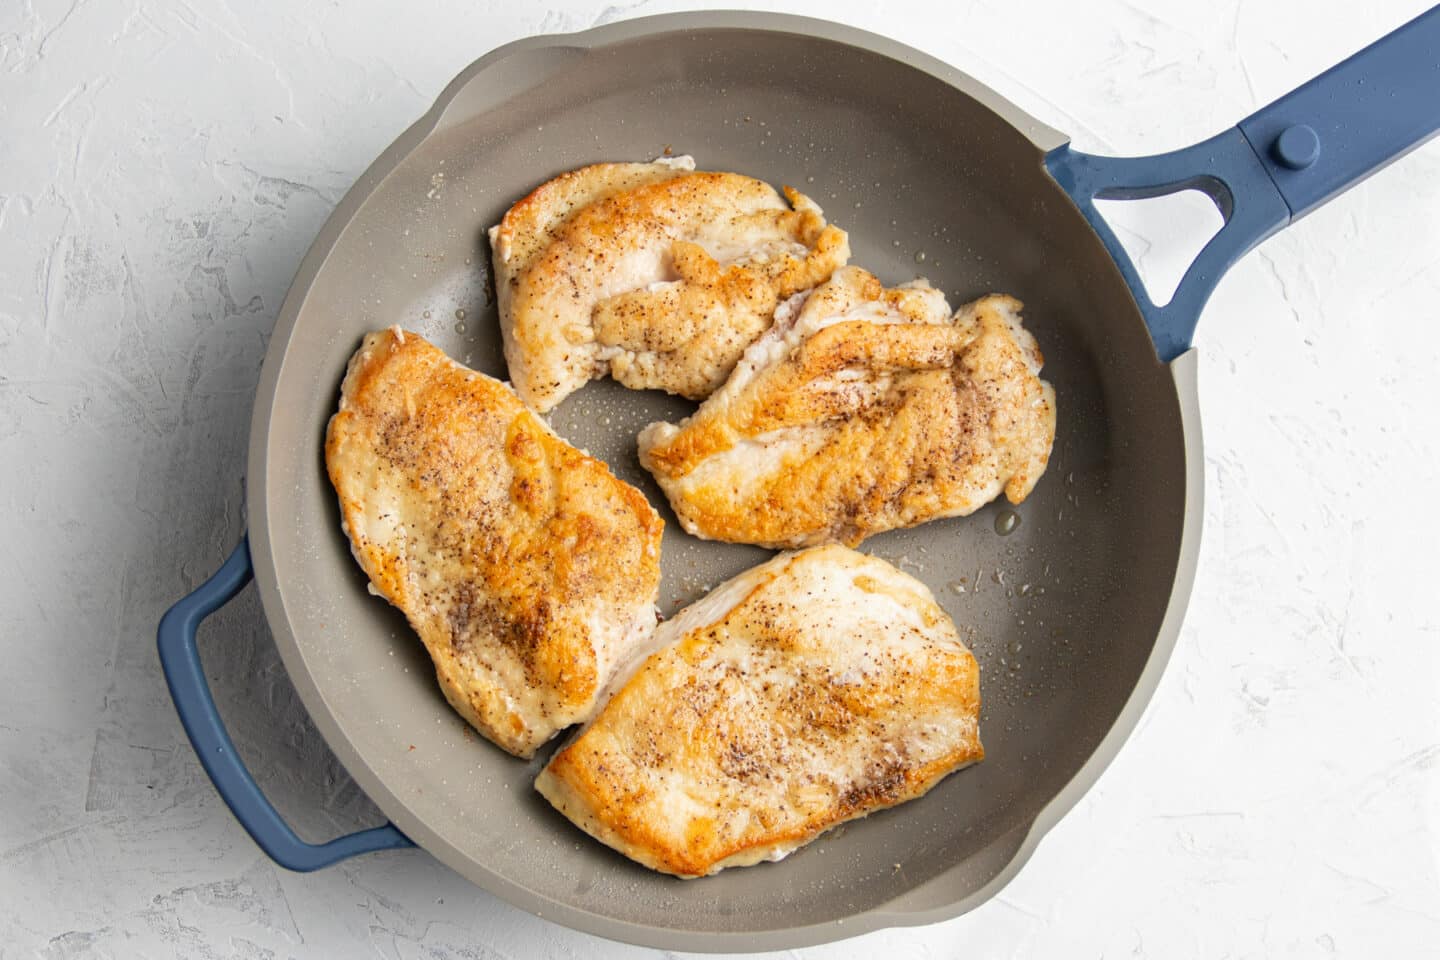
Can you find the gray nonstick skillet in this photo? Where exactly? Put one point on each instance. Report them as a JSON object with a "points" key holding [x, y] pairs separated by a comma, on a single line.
{"points": [[1072, 615]]}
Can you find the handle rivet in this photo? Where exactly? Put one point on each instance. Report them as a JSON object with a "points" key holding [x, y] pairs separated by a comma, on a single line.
{"points": [[1297, 147]]}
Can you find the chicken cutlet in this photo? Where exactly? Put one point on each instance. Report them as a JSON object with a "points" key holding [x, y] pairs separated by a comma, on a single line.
{"points": [[528, 569], [811, 690], [654, 273], [861, 410]]}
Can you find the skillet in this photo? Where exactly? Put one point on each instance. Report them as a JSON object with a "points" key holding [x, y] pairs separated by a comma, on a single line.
{"points": [[1072, 616]]}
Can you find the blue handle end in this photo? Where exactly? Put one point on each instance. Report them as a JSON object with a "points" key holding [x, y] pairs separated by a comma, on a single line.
{"points": [[180, 658]]}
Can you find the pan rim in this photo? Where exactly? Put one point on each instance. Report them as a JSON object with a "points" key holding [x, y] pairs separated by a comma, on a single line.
{"points": [[272, 594]]}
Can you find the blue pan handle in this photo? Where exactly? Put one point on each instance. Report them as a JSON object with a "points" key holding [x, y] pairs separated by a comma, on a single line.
{"points": [[1272, 168], [181, 661]]}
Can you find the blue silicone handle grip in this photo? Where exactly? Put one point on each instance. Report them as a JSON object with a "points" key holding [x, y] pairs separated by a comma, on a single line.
{"points": [[180, 659], [1272, 168]]}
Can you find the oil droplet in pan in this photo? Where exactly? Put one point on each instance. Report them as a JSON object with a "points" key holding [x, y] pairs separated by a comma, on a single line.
{"points": [[1006, 521]]}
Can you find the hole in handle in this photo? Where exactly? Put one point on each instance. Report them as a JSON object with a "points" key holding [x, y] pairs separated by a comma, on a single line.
{"points": [[1163, 235]]}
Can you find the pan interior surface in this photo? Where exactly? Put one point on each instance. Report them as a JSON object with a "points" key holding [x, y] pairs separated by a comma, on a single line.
{"points": [[1062, 613]]}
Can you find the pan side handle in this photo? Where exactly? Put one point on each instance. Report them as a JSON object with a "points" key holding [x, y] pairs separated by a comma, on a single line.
{"points": [[180, 659], [1275, 166]]}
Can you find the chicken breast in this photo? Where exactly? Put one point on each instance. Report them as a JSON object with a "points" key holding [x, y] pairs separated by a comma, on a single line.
{"points": [[654, 273], [529, 571], [811, 690], [861, 410]]}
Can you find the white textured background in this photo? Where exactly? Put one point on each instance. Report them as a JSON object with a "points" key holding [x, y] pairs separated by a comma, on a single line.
{"points": [[164, 165]]}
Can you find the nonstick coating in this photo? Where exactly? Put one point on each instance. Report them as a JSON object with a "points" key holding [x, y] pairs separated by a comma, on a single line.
{"points": [[1063, 613]]}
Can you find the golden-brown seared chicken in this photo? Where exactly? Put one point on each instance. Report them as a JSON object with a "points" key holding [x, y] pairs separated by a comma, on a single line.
{"points": [[811, 690], [861, 410], [654, 273], [529, 571]]}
